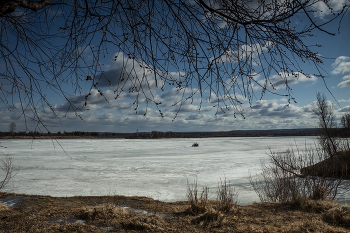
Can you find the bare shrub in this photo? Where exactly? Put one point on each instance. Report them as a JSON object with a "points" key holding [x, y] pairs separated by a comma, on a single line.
{"points": [[6, 171], [295, 174], [226, 196], [315, 173], [198, 203]]}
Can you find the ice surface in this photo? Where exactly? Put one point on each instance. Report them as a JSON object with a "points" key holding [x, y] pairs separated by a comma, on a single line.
{"points": [[157, 168]]}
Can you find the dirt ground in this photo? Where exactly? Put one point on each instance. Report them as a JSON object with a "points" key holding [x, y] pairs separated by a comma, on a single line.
{"points": [[28, 213]]}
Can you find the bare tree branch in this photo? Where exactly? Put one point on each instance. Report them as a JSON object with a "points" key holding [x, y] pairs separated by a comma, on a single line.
{"points": [[217, 49], [7, 7]]}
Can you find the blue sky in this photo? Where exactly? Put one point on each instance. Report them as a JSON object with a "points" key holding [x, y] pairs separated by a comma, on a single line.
{"points": [[105, 114]]}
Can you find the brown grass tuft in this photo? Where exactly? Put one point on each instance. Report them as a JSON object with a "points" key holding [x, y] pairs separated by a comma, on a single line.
{"points": [[198, 204], [315, 206], [144, 223], [339, 215], [310, 225], [102, 212], [226, 196], [211, 215], [64, 227], [3, 207]]}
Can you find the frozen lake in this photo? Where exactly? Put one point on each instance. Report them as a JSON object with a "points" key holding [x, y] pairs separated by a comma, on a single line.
{"points": [[157, 168]]}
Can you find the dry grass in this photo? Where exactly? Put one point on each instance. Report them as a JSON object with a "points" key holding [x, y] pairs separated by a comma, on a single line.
{"points": [[145, 223], [103, 214], [210, 216], [3, 207], [314, 206], [198, 203], [226, 196], [106, 214], [311, 225], [338, 215]]}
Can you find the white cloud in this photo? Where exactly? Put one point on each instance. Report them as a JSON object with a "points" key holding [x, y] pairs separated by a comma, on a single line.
{"points": [[341, 65], [126, 73], [346, 82], [119, 116], [323, 10], [343, 101], [227, 99], [344, 109], [131, 76], [249, 51], [280, 80], [266, 110], [284, 100], [192, 108]]}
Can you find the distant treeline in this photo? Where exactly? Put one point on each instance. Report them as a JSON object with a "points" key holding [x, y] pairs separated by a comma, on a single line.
{"points": [[237, 133], [160, 134], [49, 134]]}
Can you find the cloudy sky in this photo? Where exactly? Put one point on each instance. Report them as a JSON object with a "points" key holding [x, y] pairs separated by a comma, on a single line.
{"points": [[200, 113]]}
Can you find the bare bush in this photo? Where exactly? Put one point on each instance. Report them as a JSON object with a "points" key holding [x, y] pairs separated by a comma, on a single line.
{"points": [[198, 203], [295, 174], [6, 171], [226, 196]]}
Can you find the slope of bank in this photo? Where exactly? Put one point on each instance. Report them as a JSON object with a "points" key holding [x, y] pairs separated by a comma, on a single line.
{"points": [[26, 213]]}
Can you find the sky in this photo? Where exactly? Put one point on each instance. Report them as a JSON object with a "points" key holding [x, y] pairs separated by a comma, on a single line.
{"points": [[105, 114]]}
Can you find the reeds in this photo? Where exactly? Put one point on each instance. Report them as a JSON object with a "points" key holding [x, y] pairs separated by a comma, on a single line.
{"points": [[226, 196], [199, 203]]}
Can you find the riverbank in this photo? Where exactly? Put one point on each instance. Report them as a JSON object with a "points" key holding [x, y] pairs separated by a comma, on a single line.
{"points": [[28, 213]]}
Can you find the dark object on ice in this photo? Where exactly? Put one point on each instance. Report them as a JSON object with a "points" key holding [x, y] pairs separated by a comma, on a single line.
{"points": [[195, 144]]}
